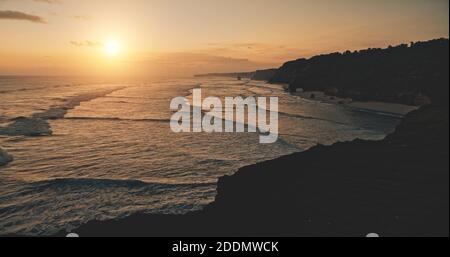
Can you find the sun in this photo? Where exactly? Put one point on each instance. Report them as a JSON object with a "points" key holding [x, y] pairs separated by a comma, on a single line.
{"points": [[112, 48]]}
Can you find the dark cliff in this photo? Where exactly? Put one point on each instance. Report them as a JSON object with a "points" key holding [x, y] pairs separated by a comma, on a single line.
{"points": [[409, 74], [398, 186], [264, 75]]}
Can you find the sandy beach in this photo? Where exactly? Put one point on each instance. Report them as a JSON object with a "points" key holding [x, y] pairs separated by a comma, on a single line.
{"points": [[371, 106]]}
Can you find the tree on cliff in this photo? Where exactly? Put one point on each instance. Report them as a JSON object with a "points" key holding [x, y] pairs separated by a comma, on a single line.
{"points": [[396, 74]]}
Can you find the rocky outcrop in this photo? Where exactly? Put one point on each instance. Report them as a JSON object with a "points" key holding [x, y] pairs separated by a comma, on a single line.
{"points": [[5, 158], [414, 74], [398, 186]]}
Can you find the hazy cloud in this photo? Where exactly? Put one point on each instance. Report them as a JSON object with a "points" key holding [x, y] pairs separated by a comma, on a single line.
{"points": [[187, 64], [48, 1], [261, 52], [15, 15], [42, 1], [86, 43], [82, 17]]}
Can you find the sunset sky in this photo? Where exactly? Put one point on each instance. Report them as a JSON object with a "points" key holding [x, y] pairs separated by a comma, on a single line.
{"points": [[180, 37]]}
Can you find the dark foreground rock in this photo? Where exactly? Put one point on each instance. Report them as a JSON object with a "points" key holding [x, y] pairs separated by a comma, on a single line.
{"points": [[395, 187]]}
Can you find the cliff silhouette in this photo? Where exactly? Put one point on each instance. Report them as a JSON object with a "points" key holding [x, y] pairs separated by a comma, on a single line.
{"points": [[411, 74], [264, 75]]}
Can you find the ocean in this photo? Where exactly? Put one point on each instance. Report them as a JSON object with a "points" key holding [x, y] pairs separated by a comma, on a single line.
{"points": [[88, 149]]}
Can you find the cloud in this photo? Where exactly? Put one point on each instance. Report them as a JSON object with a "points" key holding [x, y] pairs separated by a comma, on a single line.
{"points": [[48, 1], [261, 52], [15, 15], [42, 1], [86, 43], [82, 17], [189, 63]]}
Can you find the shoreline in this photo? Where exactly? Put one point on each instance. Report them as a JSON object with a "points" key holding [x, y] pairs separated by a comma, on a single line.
{"points": [[397, 186], [395, 109], [383, 107]]}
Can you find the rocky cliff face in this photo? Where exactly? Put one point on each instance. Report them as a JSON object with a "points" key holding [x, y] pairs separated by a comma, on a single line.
{"points": [[413, 74], [395, 187]]}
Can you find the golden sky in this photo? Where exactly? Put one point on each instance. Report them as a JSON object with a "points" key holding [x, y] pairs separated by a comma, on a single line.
{"points": [[184, 37]]}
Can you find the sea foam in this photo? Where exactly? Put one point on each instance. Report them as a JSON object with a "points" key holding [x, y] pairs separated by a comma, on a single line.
{"points": [[38, 124]]}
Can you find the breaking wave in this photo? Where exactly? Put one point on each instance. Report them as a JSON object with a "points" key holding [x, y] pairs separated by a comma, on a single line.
{"points": [[38, 125], [61, 183], [24, 126], [389, 114], [118, 119], [5, 157], [310, 118]]}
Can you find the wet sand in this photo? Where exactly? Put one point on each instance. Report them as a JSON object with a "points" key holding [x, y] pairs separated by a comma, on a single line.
{"points": [[383, 107]]}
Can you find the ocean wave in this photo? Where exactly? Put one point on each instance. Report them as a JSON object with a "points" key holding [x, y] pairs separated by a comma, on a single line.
{"points": [[5, 157], [79, 200], [24, 89], [58, 112], [59, 183], [136, 97], [21, 90], [310, 118], [37, 124], [118, 119], [389, 114], [214, 161], [287, 144], [23, 126], [3, 119]]}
